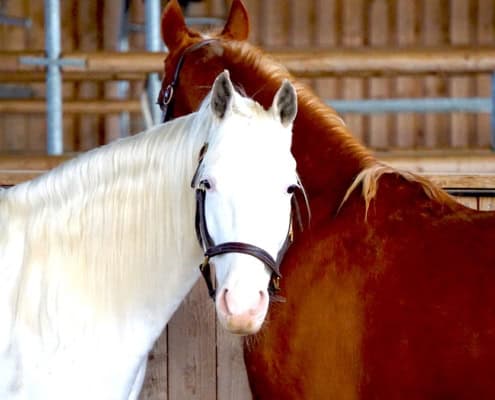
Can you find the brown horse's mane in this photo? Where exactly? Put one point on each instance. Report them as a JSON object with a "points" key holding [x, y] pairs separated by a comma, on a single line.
{"points": [[368, 179], [254, 59]]}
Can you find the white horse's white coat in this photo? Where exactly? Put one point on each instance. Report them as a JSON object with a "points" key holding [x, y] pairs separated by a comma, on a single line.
{"points": [[96, 255]]}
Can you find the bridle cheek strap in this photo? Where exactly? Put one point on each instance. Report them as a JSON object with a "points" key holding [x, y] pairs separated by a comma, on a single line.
{"points": [[212, 250], [165, 98]]}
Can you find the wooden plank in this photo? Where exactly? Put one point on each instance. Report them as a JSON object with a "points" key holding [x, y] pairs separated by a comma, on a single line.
{"points": [[310, 62], [485, 36], [219, 8], [9, 177], [301, 28], [301, 23], [67, 10], [137, 88], [30, 161], [435, 33], [459, 181], [255, 19], [197, 9], [231, 371], [88, 39], [406, 124], [111, 16], [474, 163], [438, 161], [274, 23], [155, 386], [352, 36], [487, 203], [471, 202], [327, 32], [460, 34], [36, 124], [379, 35], [102, 106], [14, 38], [192, 348]]}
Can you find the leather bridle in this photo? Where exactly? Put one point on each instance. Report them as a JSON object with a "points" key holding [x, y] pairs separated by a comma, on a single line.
{"points": [[166, 96], [210, 249]]}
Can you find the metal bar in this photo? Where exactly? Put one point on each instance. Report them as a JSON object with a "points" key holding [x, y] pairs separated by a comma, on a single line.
{"points": [[54, 143], [204, 21], [418, 105], [153, 44], [15, 21], [190, 21], [62, 62], [15, 92]]}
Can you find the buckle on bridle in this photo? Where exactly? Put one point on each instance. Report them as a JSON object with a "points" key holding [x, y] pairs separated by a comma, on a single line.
{"points": [[204, 264], [276, 283], [167, 95]]}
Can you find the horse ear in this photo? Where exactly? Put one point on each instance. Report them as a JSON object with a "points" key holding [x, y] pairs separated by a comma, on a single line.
{"points": [[222, 94], [173, 25], [237, 25], [285, 103]]}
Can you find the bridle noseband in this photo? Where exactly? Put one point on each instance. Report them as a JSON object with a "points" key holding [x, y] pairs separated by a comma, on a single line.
{"points": [[210, 249], [165, 98]]}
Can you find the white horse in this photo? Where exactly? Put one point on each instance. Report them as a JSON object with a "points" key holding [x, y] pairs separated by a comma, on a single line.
{"points": [[96, 255]]}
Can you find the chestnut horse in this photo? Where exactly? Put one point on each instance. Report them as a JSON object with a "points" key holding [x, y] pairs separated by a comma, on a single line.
{"points": [[390, 292]]}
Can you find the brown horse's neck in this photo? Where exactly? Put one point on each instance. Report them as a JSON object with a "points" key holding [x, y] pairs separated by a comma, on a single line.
{"points": [[328, 157]]}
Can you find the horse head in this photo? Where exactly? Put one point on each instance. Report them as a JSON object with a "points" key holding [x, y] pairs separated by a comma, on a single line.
{"points": [[186, 81], [244, 182]]}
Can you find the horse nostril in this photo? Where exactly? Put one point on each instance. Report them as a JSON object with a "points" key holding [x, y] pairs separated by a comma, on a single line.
{"points": [[224, 303]]}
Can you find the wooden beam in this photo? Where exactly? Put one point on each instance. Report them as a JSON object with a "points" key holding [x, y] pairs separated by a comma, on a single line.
{"points": [[72, 106], [311, 63], [463, 181], [18, 168], [70, 76]]}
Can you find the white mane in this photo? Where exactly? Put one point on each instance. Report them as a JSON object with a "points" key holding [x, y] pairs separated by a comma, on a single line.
{"points": [[101, 228]]}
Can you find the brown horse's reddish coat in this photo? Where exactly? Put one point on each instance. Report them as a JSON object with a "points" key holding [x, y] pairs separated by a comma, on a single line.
{"points": [[389, 297]]}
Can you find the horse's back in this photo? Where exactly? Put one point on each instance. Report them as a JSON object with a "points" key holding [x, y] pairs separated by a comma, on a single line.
{"points": [[429, 320], [395, 303]]}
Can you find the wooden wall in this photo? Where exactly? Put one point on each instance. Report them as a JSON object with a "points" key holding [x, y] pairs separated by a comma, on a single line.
{"points": [[308, 25]]}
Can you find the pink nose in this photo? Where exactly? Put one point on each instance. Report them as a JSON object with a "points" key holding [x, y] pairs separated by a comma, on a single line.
{"points": [[241, 318]]}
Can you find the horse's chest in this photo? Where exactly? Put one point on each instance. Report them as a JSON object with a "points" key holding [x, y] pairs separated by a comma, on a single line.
{"points": [[97, 368]]}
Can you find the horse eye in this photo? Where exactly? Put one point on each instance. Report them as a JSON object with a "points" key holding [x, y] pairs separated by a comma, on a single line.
{"points": [[206, 184], [292, 188]]}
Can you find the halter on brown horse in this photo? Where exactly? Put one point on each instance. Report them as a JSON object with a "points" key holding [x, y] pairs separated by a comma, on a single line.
{"points": [[390, 294]]}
